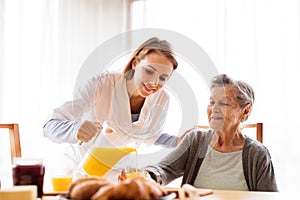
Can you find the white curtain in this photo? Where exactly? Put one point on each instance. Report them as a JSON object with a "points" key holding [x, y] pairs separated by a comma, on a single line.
{"points": [[43, 44], [257, 41]]}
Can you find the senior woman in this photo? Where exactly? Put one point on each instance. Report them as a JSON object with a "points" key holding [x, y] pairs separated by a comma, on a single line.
{"points": [[221, 158]]}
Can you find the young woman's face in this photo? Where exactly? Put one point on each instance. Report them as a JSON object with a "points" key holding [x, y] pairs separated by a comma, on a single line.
{"points": [[151, 73], [223, 111]]}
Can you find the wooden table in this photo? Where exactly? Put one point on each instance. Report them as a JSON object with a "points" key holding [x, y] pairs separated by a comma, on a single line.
{"points": [[233, 195], [243, 195], [208, 194]]}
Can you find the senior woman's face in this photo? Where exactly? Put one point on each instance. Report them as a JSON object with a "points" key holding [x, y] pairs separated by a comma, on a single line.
{"points": [[223, 111]]}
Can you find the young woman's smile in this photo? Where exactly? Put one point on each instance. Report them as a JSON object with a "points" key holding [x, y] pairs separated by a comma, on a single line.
{"points": [[151, 73]]}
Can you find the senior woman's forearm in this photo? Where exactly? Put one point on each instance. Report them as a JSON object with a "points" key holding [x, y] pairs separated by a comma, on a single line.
{"points": [[170, 167]]}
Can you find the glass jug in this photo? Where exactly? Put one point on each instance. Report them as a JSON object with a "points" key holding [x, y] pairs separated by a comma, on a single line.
{"points": [[105, 151]]}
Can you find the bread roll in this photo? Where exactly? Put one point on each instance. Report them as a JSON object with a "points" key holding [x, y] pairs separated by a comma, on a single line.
{"points": [[135, 188], [84, 188]]}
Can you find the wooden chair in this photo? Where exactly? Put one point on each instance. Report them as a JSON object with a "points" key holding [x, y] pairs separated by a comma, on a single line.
{"points": [[257, 126], [14, 137]]}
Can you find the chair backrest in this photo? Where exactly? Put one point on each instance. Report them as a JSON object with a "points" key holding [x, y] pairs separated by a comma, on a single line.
{"points": [[257, 126], [14, 137]]}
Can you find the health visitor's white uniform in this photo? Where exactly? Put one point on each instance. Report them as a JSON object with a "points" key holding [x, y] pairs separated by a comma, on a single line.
{"points": [[105, 98]]}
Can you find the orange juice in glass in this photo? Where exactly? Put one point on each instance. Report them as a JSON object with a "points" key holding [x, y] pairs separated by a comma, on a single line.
{"points": [[61, 179], [134, 172], [101, 159]]}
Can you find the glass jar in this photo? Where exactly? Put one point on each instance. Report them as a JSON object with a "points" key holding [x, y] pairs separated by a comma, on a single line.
{"points": [[28, 171]]}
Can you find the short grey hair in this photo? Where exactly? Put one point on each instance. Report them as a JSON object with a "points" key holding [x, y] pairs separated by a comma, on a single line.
{"points": [[244, 94]]}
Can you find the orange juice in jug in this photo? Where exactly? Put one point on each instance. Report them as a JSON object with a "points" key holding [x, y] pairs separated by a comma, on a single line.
{"points": [[101, 159]]}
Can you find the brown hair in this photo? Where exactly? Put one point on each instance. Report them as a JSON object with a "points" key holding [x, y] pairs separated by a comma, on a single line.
{"points": [[151, 45]]}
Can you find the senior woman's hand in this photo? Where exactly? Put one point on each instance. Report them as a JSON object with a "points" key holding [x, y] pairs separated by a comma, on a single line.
{"points": [[122, 176]]}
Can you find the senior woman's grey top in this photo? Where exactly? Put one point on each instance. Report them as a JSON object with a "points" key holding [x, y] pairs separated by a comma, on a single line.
{"points": [[187, 158]]}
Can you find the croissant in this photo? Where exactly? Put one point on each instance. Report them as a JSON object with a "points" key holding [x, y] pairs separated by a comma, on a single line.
{"points": [[96, 188], [83, 188], [135, 188]]}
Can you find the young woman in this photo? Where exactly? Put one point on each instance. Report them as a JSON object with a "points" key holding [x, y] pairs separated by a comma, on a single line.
{"points": [[133, 103]]}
